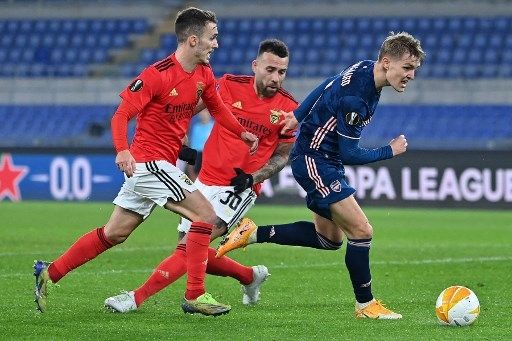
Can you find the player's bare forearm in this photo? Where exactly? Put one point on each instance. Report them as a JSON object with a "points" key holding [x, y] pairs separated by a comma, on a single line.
{"points": [[200, 106], [276, 162]]}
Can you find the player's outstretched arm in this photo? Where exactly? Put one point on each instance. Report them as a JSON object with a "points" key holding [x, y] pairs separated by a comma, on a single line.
{"points": [[352, 154], [277, 161], [241, 181]]}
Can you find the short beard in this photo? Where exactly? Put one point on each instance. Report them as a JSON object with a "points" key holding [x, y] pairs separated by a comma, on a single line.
{"points": [[262, 91]]}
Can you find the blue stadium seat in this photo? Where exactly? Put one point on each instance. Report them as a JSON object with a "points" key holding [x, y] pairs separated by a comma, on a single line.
{"points": [[288, 25], [244, 25], [348, 25], [378, 25], [237, 57], [364, 24], [303, 26], [394, 24], [480, 40], [228, 24], [12, 26], [424, 25], [110, 25], [259, 25], [486, 25], [68, 26], [475, 56], [440, 24], [220, 57], [366, 41], [273, 25], [491, 57], [26, 26], [474, 42], [318, 25], [119, 40], [140, 25], [96, 26], [496, 41], [445, 41], [313, 56], [333, 26]]}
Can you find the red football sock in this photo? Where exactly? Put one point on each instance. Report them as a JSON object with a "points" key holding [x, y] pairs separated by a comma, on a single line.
{"points": [[168, 271], [86, 248], [227, 267], [198, 240]]}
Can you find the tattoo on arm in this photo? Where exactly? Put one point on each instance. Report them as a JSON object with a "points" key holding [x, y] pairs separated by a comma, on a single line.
{"points": [[276, 162], [200, 106]]}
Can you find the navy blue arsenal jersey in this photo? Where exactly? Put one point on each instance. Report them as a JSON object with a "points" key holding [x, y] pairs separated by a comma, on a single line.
{"points": [[334, 115]]}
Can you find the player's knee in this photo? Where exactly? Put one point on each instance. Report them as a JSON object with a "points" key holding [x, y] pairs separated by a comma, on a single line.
{"points": [[208, 216], [363, 230], [117, 234], [219, 230], [116, 237]]}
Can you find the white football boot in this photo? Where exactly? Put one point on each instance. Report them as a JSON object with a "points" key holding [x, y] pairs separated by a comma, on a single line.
{"points": [[252, 291], [122, 303]]}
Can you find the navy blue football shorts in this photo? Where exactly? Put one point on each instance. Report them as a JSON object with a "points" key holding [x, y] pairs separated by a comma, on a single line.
{"points": [[324, 183]]}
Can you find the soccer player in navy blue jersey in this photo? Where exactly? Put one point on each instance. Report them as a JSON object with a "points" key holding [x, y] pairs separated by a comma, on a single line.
{"points": [[332, 118]]}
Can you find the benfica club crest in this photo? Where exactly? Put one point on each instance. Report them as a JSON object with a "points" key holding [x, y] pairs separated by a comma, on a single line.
{"points": [[274, 116], [199, 89]]}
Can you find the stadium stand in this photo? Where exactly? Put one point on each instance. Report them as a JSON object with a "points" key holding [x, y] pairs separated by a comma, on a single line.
{"points": [[55, 125], [458, 47], [427, 126], [61, 47], [462, 48]]}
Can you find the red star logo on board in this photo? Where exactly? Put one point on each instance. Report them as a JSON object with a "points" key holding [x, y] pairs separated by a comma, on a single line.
{"points": [[10, 177]]}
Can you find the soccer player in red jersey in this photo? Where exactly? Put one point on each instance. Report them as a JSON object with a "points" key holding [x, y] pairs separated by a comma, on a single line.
{"points": [[163, 98], [228, 178]]}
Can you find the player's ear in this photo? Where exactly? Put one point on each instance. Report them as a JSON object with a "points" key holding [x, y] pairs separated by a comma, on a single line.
{"points": [[385, 63], [193, 40], [254, 65]]}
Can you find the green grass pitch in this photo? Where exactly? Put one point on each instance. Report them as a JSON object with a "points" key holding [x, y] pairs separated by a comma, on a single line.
{"points": [[415, 254]]}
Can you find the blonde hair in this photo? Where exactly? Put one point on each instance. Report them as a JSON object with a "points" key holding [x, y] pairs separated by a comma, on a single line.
{"points": [[397, 44]]}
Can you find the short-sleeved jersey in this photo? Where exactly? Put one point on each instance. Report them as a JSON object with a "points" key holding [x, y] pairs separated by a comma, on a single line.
{"points": [[223, 151], [166, 96], [344, 108]]}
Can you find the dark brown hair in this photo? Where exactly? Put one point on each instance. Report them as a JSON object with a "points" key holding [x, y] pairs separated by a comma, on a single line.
{"points": [[192, 21]]}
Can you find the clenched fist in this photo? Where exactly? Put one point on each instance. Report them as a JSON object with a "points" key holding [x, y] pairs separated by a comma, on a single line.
{"points": [[398, 145]]}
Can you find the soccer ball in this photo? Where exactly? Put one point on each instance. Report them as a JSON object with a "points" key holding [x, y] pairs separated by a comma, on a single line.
{"points": [[457, 306]]}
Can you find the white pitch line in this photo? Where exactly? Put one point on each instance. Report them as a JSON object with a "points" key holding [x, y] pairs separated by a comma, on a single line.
{"points": [[294, 266]]}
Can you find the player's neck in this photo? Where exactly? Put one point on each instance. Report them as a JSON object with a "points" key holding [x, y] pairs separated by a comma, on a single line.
{"points": [[186, 59], [258, 93], [260, 96], [379, 76]]}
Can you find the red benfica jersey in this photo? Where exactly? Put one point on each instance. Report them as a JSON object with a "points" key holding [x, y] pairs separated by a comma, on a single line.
{"points": [[166, 97], [223, 151]]}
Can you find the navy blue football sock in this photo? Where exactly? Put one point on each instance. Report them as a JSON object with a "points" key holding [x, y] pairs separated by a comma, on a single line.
{"points": [[300, 233], [357, 259]]}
